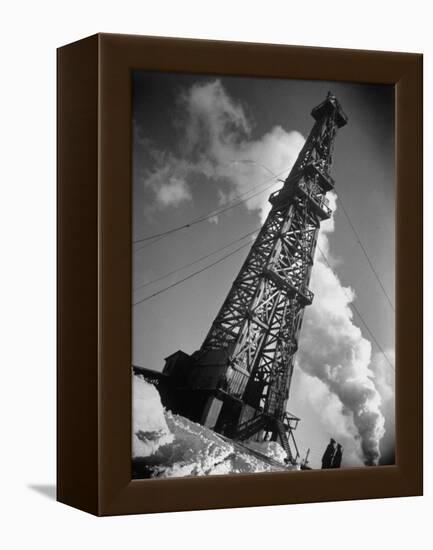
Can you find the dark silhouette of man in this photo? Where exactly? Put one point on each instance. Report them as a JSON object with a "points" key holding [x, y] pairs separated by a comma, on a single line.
{"points": [[328, 455], [336, 461]]}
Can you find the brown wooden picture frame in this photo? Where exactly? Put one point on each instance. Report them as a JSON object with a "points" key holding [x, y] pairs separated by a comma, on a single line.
{"points": [[94, 273]]}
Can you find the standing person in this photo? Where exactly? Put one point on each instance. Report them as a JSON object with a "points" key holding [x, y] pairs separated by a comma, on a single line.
{"points": [[328, 455], [336, 461]]}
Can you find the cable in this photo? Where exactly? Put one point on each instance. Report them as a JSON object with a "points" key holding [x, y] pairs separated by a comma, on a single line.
{"points": [[190, 276], [251, 161], [198, 260], [230, 205], [366, 255], [361, 317], [210, 215], [158, 236], [147, 244]]}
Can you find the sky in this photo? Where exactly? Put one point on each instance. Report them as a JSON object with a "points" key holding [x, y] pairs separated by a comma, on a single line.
{"points": [[200, 141]]}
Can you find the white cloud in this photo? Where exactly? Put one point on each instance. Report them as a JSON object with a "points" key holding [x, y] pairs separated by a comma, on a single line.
{"points": [[217, 135], [214, 119], [173, 192]]}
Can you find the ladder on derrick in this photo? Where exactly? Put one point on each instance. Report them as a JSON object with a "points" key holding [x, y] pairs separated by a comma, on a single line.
{"points": [[269, 423]]}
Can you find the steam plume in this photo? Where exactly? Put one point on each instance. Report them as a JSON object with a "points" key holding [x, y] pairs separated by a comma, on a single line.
{"points": [[333, 350]]}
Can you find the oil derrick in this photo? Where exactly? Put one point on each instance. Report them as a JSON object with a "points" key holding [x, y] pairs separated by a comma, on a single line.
{"points": [[238, 382]]}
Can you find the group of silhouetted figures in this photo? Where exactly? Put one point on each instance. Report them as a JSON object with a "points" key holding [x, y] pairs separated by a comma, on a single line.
{"points": [[332, 456]]}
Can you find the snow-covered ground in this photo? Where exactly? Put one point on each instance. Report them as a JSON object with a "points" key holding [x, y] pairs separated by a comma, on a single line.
{"points": [[169, 445]]}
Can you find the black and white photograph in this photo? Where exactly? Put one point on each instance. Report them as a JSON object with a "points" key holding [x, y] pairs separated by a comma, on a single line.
{"points": [[217, 253], [263, 311]]}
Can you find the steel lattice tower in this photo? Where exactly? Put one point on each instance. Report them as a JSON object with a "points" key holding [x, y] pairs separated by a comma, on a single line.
{"points": [[246, 361]]}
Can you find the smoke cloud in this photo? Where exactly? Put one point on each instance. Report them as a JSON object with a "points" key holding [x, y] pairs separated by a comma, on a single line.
{"points": [[333, 351]]}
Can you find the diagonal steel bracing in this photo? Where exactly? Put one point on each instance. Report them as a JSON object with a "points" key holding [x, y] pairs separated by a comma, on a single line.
{"points": [[259, 322]]}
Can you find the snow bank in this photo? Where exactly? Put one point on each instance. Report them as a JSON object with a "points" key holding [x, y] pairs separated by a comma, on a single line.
{"points": [[149, 427], [199, 451], [272, 449], [169, 445], [195, 451]]}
